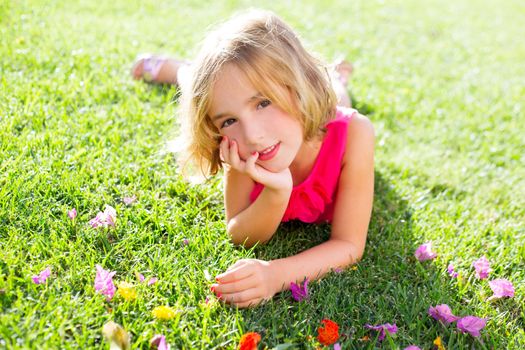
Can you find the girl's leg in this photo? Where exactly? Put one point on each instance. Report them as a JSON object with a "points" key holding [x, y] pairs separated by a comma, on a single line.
{"points": [[340, 76]]}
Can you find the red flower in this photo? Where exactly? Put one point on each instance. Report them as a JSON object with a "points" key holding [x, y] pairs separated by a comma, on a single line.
{"points": [[329, 334], [249, 341]]}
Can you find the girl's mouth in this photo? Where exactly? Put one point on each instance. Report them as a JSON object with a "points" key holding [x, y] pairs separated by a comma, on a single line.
{"points": [[270, 152]]}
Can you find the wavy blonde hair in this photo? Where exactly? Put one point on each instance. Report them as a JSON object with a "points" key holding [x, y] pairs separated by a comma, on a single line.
{"points": [[271, 55]]}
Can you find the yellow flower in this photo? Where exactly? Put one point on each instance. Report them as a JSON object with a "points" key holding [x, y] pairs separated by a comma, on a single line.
{"points": [[439, 344], [127, 291], [164, 312]]}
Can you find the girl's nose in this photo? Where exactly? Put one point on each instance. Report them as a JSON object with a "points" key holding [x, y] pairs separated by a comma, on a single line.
{"points": [[253, 132]]}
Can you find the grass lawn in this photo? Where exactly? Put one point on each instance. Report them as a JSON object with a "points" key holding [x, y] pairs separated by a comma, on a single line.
{"points": [[443, 84]]}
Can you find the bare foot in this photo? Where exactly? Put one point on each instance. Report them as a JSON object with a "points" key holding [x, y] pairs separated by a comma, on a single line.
{"points": [[156, 69], [342, 71]]}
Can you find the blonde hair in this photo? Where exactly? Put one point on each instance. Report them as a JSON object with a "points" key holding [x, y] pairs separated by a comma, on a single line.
{"points": [[268, 51]]}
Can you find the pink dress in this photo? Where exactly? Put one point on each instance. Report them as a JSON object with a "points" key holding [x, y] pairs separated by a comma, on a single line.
{"points": [[313, 199]]}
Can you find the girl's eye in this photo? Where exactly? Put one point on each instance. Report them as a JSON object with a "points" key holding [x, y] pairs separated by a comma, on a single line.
{"points": [[264, 104], [227, 123]]}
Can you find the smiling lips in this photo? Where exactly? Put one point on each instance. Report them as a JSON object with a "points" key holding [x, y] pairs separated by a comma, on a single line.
{"points": [[270, 152]]}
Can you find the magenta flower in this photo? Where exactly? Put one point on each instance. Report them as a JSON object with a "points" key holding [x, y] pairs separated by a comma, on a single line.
{"points": [[140, 276], [299, 293], [159, 342], [185, 241], [382, 329], [104, 282], [442, 313], [451, 272], [337, 346], [42, 276], [152, 280], [72, 214], [482, 267], [412, 347], [471, 325], [105, 219], [129, 200], [424, 252], [501, 288]]}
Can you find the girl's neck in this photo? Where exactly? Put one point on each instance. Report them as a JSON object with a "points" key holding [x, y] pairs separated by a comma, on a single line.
{"points": [[304, 161]]}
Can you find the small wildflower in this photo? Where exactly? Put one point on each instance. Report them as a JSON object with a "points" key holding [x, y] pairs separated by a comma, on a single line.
{"points": [[471, 325], [299, 292], [424, 252], [152, 280], [185, 241], [159, 342], [72, 214], [139, 276], [249, 341], [337, 346], [439, 344], [451, 272], [382, 329], [329, 333], [442, 313], [129, 200], [412, 347], [42, 276], [482, 267], [501, 288], [164, 313], [117, 336], [105, 219], [104, 282], [127, 291]]}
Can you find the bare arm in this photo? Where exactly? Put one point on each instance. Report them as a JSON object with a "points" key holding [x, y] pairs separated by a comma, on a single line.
{"points": [[249, 223], [250, 281], [351, 216]]}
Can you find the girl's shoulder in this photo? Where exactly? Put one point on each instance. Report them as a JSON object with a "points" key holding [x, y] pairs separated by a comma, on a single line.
{"points": [[360, 137]]}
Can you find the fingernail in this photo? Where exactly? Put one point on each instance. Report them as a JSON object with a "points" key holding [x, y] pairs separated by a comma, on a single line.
{"points": [[217, 279], [254, 153], [219, 295], [212, 288]]}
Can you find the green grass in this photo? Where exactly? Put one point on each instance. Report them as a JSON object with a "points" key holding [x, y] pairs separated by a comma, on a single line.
{"points": [[442, 83]]}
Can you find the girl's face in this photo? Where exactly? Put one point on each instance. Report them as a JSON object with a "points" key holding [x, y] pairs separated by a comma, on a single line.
{"points": [[243, 114]]}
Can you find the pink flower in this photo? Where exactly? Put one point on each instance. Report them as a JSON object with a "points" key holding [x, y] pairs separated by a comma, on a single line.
{"points": [[412, 347], [501, 288], [482, 267], [382, 329], [105, 219], [424, 252], [152, 280], [104, 282], [471, 325], [72, 214], [140, 276], [451, 272], [442, 313], [159, 342], [129, 200], [42, 276], [185, 241], [337, 346], [299, 293]]}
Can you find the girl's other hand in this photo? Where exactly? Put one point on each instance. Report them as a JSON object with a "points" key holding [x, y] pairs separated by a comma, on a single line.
{"points": [[246, 283], [230, 155]]}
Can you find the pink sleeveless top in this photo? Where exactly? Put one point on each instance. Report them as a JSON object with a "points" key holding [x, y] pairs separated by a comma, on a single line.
{"points": [[312, 200]]}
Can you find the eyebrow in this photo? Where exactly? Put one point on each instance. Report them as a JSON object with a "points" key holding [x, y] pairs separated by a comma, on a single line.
{"points": [[216, 117]]}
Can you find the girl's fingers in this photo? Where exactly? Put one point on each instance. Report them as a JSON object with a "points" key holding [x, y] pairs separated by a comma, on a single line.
{"points": [[238, 273], [250, 303], [224, 149], [234, 287], [235, 160], [244, 297], [250, 164]]}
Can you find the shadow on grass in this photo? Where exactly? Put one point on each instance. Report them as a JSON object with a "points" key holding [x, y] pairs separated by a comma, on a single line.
{"points": [[388, 286]]}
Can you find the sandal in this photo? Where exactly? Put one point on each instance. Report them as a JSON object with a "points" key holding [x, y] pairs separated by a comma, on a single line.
{"points": [[147, 68]]}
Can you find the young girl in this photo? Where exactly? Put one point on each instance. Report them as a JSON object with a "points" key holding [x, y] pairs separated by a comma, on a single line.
{"points": [[257, 105]]}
